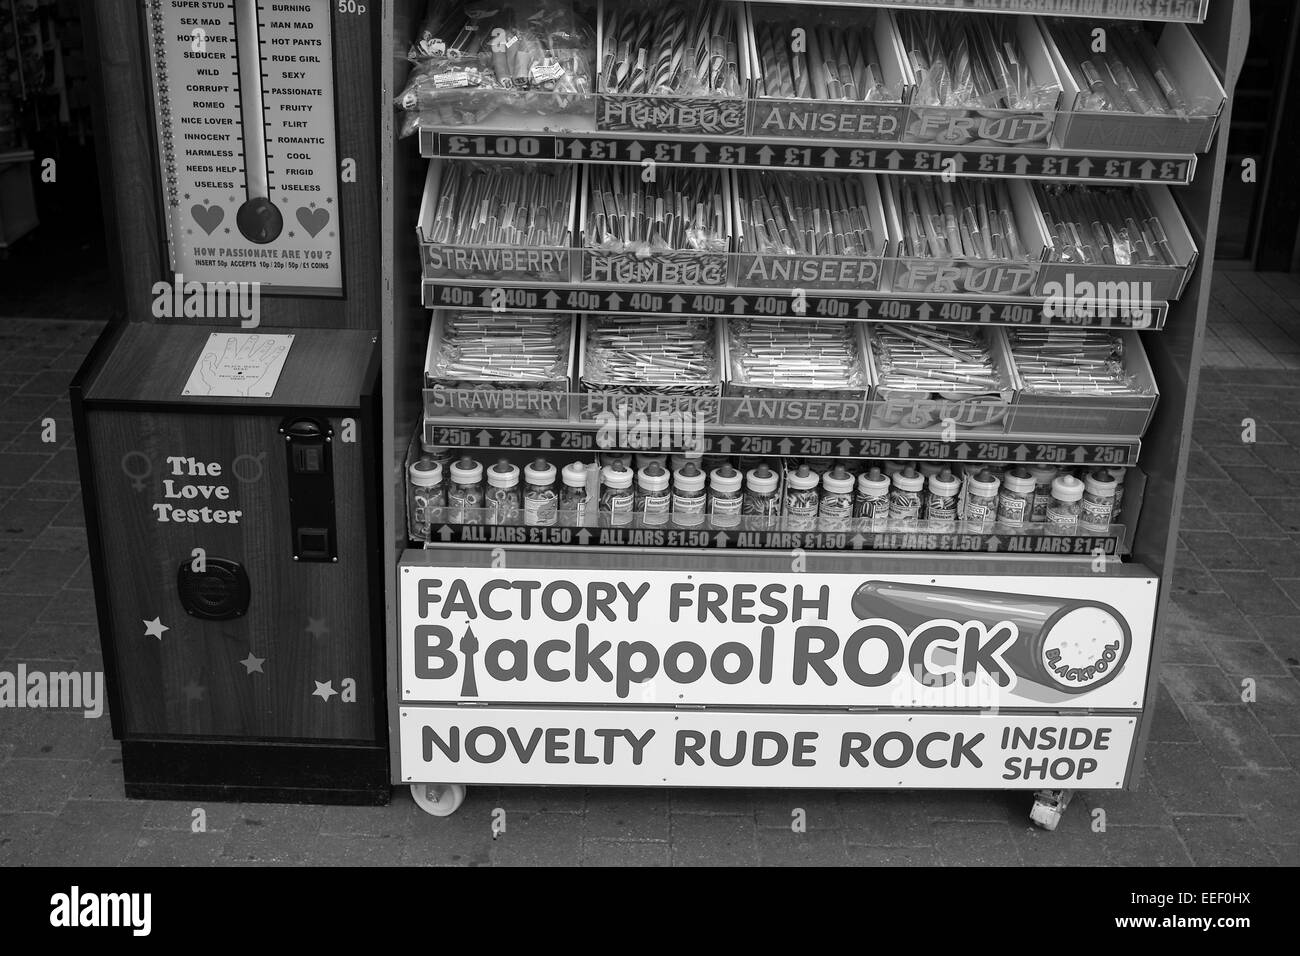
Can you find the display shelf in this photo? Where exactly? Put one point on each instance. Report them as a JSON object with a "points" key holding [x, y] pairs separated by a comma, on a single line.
{"points": [[1161, 11], [800, 441], [636, 534], [638, 299], [964, 577], [749, 152]]}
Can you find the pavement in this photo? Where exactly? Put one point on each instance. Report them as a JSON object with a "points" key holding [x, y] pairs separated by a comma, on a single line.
{"points": [[1221, 785]]}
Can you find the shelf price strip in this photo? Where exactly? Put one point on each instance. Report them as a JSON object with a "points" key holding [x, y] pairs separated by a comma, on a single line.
{"points": [[441, 294], [572, 440], [1164, 11], [898, 158], [740, 539]]}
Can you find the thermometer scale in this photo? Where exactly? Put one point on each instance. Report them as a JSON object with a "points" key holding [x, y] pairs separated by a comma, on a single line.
{"points": [[258, 218], [244, 111]]}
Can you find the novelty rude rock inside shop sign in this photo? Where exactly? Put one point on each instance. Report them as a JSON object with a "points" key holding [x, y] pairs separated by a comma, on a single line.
{"points": [[646, 639]]}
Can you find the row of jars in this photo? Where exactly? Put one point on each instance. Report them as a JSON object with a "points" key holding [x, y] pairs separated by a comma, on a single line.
{"points": [[806, 495]]}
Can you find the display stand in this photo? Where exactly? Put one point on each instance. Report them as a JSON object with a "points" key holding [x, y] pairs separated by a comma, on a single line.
{"points": [[698, 692]]}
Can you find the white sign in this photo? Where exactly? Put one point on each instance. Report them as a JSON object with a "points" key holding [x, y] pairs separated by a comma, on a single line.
{"points": [[491, 745], [645, 638], [239, 365]]}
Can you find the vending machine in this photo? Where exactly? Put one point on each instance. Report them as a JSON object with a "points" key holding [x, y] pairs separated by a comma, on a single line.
{"points": [[228, 422]]}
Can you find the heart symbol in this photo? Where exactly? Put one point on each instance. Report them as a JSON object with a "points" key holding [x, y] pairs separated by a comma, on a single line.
{"points": [[313, 220], [208, 217]]}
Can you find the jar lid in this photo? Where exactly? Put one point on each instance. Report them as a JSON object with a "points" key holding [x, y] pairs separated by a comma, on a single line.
{"points": [[574, 474], [425, 473], [466, 471], [909, 480], [985, 483], [689, 477], [838, 481], [616, 476], [762, 480], [540, 472], [804, 479], [1067, 488], [503, 475], [944, 483], [873, 483], [653, 477], [725, 478], [1018, 480], [1043, 474], [1100, 482], [644, 458]]}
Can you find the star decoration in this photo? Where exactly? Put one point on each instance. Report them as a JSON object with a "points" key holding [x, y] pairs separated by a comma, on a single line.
{"points": [[253, 665], [316, 627], [193, 691], [324, 691], [154, 628]]}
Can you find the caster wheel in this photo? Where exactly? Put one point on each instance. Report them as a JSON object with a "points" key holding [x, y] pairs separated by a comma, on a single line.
{"points": [[438, 799], [1045, 816], [1048, 807]]}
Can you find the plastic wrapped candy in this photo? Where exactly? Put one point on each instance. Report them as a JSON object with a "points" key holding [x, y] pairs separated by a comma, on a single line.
{"points": [[972, 61], [473, 59]]}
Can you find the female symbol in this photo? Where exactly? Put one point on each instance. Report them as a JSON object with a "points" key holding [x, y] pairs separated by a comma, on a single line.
{"points": [[248, 468], [137, 477]]}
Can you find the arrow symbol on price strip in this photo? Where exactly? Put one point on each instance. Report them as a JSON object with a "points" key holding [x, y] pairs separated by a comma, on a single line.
{"points": [[721, 539], [484, 437], [552, 299], [1022, 453], [544, 439], [1148, 170], [615, 301], [1085, 166], [701, 152], [765, 155], [738, 305], [959, 160], [444, 533], [923, 311], [857, 541], [864, 309], [829, 155], [1080, 455], [785, 446], [994, 543], [726, 444], [904, 449], [676, 303], [1022, 165], [895, 159], [635, 150], [846, 448], [986, 313], [584, 536], [963, 450], [576, 148]]}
